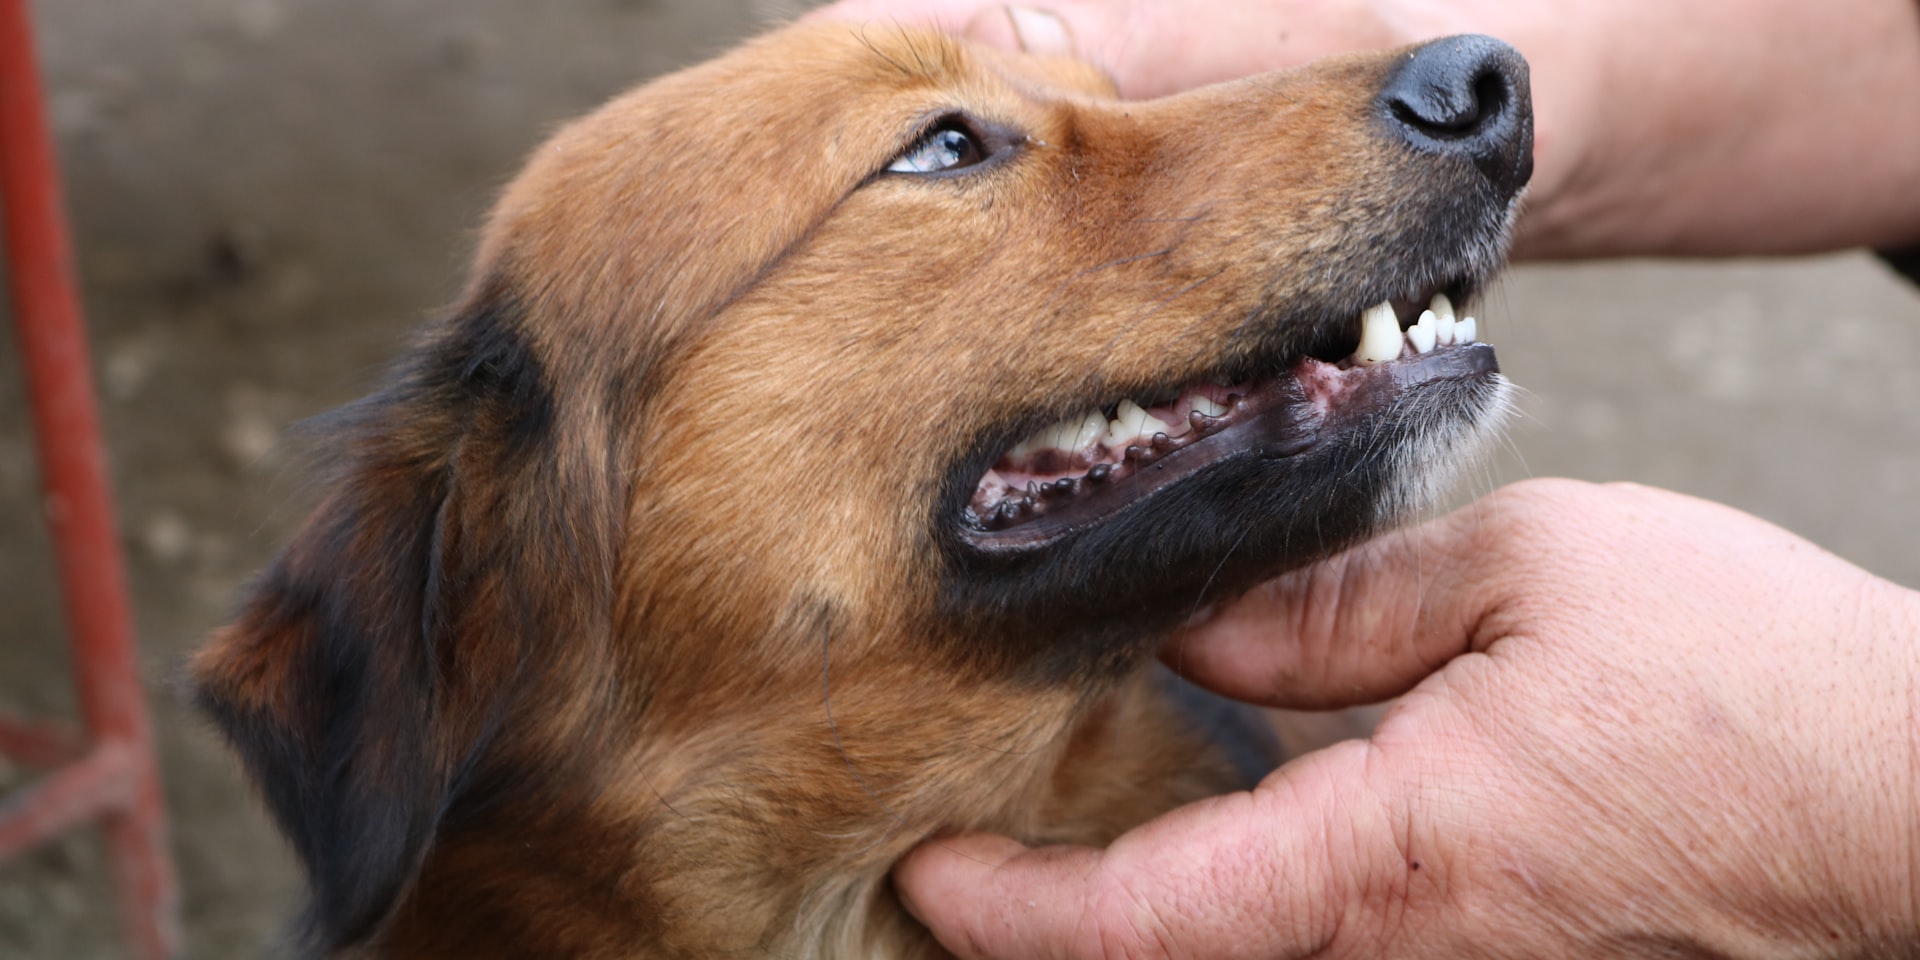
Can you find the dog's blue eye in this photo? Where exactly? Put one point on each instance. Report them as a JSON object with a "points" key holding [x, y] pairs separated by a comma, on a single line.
{"points": [[947, 148]]}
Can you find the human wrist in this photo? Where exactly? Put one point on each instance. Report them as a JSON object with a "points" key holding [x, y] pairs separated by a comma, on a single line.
{"points": [[1863, 899], [1896, 894], [1732, 127]]}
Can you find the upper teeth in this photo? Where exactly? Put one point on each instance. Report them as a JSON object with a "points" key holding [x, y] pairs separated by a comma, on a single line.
{"points": [[1381, 338], [1133, 421], [1071, 449]]}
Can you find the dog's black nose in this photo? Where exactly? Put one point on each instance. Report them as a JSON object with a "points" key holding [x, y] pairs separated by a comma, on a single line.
{"points": [[1466, 97]]}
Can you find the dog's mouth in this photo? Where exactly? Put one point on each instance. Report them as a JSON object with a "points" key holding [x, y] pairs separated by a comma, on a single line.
{"points": [[1081, 469]]}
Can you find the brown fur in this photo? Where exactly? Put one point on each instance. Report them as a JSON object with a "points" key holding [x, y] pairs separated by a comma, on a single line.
{"points": [[619, 631]]}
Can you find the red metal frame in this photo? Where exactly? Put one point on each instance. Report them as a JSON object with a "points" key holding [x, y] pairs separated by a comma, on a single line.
{"points": [[110, 775]]}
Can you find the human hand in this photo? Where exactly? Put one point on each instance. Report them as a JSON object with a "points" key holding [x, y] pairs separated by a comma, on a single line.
{"points": [[1639, 724], [1703, 127]]}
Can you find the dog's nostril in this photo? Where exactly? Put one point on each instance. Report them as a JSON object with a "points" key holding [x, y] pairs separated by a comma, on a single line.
{"points": [[1446, 113], [1467, 97]]}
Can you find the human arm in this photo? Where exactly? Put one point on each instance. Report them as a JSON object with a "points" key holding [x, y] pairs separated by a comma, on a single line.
{"points": [[1636, 724], [1709, 127]]}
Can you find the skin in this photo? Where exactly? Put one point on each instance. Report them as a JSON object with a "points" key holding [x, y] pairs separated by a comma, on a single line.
{"points": [[1634, 723], [1712, 127]]}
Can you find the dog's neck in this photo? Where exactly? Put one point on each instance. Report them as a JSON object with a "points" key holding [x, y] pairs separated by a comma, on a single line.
{"points": [[770, 832]]}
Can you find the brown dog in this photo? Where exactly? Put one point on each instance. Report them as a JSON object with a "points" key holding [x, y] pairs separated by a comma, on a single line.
{"points": [[696, 567]]}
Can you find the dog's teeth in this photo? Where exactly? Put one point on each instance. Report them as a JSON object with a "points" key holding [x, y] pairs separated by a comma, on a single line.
{"points": [[1126, 423], [1425, 333], [1041, 439], [1064, 433], [1089, 431], [1465, 329], [1445, 328], [1379, 334], [1152, 426], [1058, 435], [1441, 306], [1206, 407]]}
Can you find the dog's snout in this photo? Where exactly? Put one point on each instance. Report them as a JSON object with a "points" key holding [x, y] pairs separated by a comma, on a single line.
{"points": [[1468, 97]]}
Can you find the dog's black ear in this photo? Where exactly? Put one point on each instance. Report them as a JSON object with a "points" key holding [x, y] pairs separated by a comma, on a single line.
{"points": [[378, 657]]}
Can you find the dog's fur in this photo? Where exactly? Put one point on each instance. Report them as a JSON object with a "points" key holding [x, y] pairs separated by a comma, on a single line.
{"points": [[634, 622]]}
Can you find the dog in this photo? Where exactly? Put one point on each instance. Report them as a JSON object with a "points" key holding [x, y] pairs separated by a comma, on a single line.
{"points": [[827, 437]]}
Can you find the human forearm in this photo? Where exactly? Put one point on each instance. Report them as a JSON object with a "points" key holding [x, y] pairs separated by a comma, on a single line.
{"points": [[1723, 126]]}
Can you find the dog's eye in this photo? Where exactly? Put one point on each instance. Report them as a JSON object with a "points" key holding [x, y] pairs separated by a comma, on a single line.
{"points": [[947, 148]]}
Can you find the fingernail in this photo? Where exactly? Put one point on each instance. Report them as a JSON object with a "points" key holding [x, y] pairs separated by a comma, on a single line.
{"points": [[1036, 31]]}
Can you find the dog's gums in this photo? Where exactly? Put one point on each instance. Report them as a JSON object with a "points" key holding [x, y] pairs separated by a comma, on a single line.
{"points": [[1085, 466]]}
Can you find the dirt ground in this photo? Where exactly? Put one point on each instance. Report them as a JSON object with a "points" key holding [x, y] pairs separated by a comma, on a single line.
{"points": [[268, 194]]}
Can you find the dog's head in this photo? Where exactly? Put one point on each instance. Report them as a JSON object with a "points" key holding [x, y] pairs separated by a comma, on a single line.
{"points": [[823, 411]]}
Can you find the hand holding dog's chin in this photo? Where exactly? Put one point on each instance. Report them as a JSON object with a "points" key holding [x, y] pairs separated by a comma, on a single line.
{"points": [[1711, 127], [1635, 724]]}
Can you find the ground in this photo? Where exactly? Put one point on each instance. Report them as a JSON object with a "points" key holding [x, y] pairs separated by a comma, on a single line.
{"points": [[269, 194]]}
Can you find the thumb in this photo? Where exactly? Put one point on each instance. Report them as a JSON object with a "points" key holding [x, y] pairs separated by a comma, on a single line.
{"points": [[1265, 874], [1372, 622]]}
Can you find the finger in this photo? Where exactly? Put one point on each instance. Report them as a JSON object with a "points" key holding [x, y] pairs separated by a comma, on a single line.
{"points": [[1372, 622], [949, 15], [1009, 27], [1263, 874], [1032, 30]]}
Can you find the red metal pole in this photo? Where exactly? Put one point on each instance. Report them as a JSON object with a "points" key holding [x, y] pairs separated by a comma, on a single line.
{"points": [[46, 313]]}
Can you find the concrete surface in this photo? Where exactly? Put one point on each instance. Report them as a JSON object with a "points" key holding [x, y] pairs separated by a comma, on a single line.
{"points": [[269, 193]]}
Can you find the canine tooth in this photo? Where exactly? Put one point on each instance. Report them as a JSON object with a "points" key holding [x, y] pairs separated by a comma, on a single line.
{"points": [[1379, 334], [1424, 334], [1442, 307], [1466, 329], [1205, 406]]}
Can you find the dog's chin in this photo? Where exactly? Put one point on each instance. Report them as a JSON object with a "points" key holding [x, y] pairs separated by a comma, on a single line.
{"points": [[1098, 540]]}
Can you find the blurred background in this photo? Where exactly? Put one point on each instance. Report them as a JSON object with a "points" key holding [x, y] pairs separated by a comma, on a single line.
{"points": [[269, 194]]}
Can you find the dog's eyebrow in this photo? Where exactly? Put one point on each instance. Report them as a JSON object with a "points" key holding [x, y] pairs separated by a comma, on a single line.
{"points": [[937, 58]]}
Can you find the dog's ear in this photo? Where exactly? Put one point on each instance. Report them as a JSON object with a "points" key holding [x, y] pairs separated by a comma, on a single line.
{"points": [[378, 657]]}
